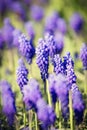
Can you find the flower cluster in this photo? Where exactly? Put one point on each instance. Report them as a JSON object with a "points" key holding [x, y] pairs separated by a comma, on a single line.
{"points": [[58, 86], [83, 56], [42, 58], [16, 34], [61, 25], [58, 64], [30, 30], [7, 32], [26, 48], [31, 94], [69, 69], [76, 22], [22, 73], [45, 113], [51, 22], [8, 101], [52, 46], [78, 104], [36, 12]]}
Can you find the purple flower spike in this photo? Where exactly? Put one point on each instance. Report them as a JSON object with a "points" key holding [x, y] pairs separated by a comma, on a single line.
{"points": [[61, 25], [52, 46], [36, 12], [69, 69], [8, 101], [26, 48], [51, 22], [17, 8], [42, 58], [52, 82], [52, 115], [45, 113], [62, 92], [59, 39], [83, 56], [22, 74], [58, 64], [7, 31], [76, 22], [30, 30], [78, 104], [16, 34], [42, 112], [31, 94]]}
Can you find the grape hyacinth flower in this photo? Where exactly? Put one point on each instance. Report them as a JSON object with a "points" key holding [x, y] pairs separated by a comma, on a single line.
{"points": [[22, 73], [62, 92], [36, 12], [7, 31], [52, 81], [59, 39], [83, 56], [78, 104], [45, 113], [26, 48], [61, 25], [42, 58], [31, 94], [52, 46], [30, 29], [76, 22], [51, 22], [8, 101], [16, 34], [69, 69], [58, 64], [17, 8]]}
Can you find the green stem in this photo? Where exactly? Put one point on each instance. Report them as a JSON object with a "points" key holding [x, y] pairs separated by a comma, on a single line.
{"points": [[71, 111], [24, 116], [48, 94], [60, 116], [36, 123], [30, 119]]}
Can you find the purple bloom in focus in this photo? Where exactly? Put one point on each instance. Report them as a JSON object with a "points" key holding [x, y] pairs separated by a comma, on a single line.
{"points": [[7, 31], [22, 73], [76, 22], [69, 69], [36, 12], [78, 104], [61, 25], [30, 29], [58, 64], [26, 48], [31, 94], [8, 101], [42, 58], [51, 22], [83, 56], [52, 46], [16, 34]]}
